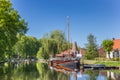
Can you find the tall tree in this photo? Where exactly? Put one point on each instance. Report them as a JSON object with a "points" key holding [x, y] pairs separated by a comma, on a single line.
{"points": [[26, 46], [91, 47], [42, 53], [52, 44], [10, 25], [49, 47], [59, 37], [107, 45]]}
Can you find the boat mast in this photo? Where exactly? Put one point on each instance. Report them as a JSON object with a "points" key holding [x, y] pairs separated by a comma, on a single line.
{"points": [[68, 25]]}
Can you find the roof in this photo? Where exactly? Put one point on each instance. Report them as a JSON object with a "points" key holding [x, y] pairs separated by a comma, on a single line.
{"points": [[116, 44], [74, 47], [67, 52]]}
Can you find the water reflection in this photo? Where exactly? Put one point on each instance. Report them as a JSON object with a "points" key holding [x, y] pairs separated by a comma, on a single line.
{"points": [[40, 71], [101, 76], [96, 75], [13, 71], [47, 74], [80, 76]]}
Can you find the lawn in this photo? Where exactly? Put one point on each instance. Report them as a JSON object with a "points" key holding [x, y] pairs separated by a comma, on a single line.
{"points": [[107, 63]]}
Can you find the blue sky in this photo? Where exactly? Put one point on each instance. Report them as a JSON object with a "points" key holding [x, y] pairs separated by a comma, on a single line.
{"points": [[99, 17]]}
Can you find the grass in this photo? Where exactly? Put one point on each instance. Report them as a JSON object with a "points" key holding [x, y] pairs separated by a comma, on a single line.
{"points": [[107, 63], [90, 61]]}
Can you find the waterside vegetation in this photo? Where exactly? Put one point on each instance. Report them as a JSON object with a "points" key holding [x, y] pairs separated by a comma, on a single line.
{"points": [[105, 62], [109, 63]]}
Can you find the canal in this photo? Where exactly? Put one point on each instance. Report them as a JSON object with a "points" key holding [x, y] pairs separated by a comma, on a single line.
{"points": [[40, 71]]}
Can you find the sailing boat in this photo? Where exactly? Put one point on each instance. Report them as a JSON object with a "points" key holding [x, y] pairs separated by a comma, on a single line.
{"points": [[72, 60]]}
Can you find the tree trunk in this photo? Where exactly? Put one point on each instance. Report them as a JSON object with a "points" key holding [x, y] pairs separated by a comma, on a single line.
{"points": [[109, 55]]}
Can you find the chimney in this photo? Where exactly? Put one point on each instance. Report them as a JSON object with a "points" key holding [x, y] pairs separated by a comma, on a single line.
{"points": [[113, 38]]}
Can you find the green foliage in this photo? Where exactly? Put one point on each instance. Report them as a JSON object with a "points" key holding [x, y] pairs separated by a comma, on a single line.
{"points": [[49, 47], [91, 47], [109, 63], [47, 74], [52, 44], [64, 46], [26, 46], [115, 59], [10, 25], [10, 71], [42, 54], [92, 74], [31, 46], [45, 47], [59, 37], [107, 45], [52, 47]]}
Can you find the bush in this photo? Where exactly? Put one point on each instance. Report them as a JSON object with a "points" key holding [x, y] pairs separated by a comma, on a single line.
{"points": [[101, 59], [115, 59]]}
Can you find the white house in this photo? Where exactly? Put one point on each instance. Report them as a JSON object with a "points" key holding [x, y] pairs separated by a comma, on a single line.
{"points": [[115, 53]]}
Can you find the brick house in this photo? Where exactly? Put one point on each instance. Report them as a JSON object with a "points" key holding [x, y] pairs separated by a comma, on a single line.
{"points": [[101, 52]]}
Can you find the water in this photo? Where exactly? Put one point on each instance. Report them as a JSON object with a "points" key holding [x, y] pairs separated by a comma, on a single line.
{"points": [[40, 71]]}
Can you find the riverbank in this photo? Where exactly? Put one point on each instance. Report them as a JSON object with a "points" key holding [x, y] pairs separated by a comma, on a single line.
{"points": [[106, 63], [109, 63]]}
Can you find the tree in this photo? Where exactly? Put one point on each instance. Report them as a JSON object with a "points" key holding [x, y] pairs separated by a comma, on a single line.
{"points": [[107, 45], [52, 44], [42, 54], [59, 37], [32, 46], [91, 47], [49, 46], [10, 25], [52, 47], [26, 46]]}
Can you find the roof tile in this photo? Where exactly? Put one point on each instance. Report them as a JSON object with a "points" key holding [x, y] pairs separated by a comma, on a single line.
{"points": [[116, 44]]}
